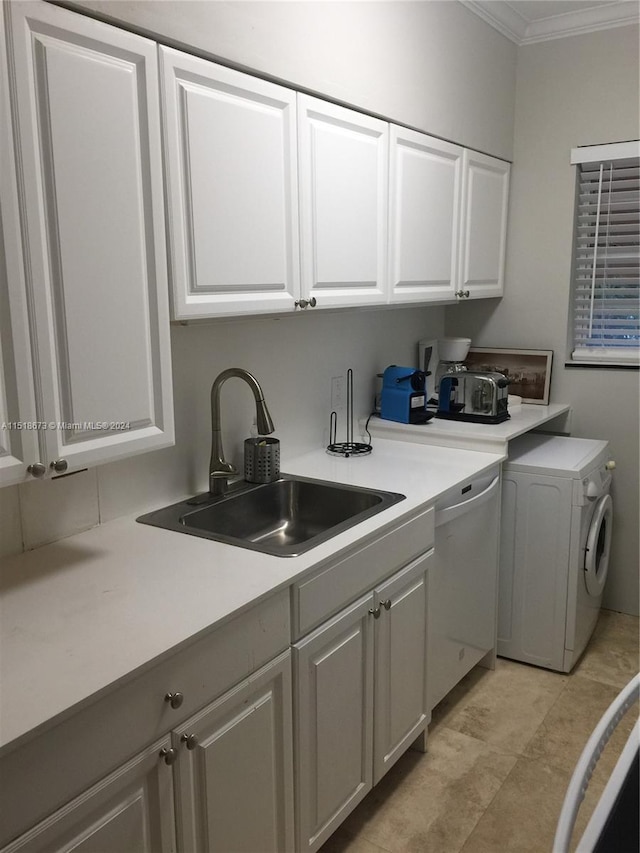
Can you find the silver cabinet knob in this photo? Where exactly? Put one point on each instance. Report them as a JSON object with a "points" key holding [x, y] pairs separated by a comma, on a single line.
{"points": [[375, 612], [170, 755], [307, 303], [386, 604], [174, 699], [59, 466], [467, 294], [191, 741], [37, 469]]}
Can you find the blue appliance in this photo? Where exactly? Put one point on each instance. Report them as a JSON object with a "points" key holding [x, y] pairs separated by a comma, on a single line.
{"points": [[403, 396]]}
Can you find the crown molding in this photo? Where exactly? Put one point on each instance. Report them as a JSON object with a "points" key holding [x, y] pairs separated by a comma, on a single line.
{"points": [[504, 17], [501, 17]]}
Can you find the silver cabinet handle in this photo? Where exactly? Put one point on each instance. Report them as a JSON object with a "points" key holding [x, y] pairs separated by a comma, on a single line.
{"points": [[174, 699], [37, 469], [191, 741], [375, 612], [170, 755], [306, 303], [59, 466]]}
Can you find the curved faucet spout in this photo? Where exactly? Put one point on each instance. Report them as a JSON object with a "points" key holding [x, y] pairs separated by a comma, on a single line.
{"points": [[219, 469]]}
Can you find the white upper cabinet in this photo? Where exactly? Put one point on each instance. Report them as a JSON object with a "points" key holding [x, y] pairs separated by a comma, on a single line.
{"points": [[343, 158], [87, 128], [232, 189], [18, 447], [425, 183], [484, 226]]}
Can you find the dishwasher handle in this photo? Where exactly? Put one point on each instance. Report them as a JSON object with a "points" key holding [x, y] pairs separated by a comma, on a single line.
{"points": [[450, 513]]}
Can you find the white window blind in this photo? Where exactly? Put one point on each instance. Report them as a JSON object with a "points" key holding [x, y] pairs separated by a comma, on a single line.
{"points": [[606, 264]]}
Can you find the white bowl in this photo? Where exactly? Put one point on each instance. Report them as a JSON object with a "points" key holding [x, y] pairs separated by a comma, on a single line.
{"points": [[453, 349]]}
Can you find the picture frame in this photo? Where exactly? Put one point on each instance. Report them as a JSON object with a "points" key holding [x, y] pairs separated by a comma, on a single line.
{"points": [[528, 369]]}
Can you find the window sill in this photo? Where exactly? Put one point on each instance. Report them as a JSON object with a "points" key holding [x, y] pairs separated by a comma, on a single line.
{"points": [[602, 356], [606, 365]]}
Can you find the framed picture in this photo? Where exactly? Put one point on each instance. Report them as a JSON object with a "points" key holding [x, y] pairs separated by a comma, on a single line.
{"points": [[528, 369]]}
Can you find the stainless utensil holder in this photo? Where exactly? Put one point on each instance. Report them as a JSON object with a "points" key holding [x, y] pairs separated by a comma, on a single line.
{"points": [[261, 460]]}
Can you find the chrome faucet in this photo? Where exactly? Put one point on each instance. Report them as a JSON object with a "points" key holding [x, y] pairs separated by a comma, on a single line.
{"points": [[219, 469]]}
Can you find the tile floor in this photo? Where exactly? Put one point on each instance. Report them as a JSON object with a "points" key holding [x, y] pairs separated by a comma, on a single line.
{"points": [[501, 750]]}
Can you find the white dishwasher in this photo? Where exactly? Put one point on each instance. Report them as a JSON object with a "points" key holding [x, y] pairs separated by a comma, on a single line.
{"points": [[463, 583]]}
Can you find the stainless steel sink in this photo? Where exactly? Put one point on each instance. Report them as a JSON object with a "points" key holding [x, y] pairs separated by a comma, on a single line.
{"points": [[284, 518]]}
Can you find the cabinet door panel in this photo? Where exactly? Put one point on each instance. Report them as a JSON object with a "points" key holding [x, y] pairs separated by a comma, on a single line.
{"points": [[401, 664], [532, 596], [334, 692], [235, 787], [18, 447], [95, 232], [425, 192], [343, 204], [485, 196], [131, 810], [232, 188]]}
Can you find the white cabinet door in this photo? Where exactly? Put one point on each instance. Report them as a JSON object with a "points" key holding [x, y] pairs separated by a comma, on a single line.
{"points": [[484, 230], [234, 782], [232, 189], [88, 132], [18, 446], [131, 810], [343, 204], [334, 724], [425, 182], [400, 708]]}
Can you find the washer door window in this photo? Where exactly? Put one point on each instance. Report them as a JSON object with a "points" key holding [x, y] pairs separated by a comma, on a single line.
{"points": [[598, 547]]}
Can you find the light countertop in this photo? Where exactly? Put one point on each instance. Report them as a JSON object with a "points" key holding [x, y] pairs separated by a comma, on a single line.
{"points": [[83, 613], [493, 438]]}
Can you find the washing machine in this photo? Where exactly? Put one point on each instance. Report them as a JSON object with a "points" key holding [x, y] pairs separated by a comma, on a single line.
{"points": [[555, 542]]}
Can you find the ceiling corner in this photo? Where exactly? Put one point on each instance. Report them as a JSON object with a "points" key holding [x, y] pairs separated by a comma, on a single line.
{"points": [[526, 22]]}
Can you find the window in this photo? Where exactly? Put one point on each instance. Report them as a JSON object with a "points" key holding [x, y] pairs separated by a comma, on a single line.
{"points": [[605, 311]]}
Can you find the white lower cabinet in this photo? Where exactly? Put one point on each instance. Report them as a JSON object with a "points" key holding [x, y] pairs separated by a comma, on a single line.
{"points": [[360, 700], [234, 772], [130, 811], [193, 755], [334, 722], [239, 742], [400, 665], [222, 782]]}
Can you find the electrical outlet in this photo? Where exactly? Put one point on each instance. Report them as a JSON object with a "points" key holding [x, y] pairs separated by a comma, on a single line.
{"points": [[337, 393]]}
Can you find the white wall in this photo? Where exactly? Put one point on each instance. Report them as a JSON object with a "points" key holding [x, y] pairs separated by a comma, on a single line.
{"points": [[292, 357], [431, 65], [574, 91]]}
